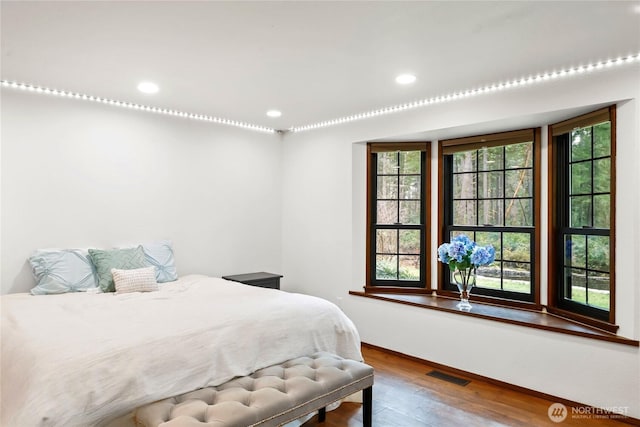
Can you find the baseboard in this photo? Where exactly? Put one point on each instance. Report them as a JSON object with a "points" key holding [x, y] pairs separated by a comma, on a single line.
{"points": [[524, 390]]}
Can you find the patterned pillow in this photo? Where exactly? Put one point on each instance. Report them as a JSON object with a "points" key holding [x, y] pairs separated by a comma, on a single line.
{"points": [[62, 270], [160, 255], [124, 259], [137, 280]]}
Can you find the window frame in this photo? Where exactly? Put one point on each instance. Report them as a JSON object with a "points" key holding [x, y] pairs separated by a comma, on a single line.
{"points": [[558, 135], [451, 146], [378, 285]]}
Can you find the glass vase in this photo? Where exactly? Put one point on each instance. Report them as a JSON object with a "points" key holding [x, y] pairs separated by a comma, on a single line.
{"points": [[465, 281]]}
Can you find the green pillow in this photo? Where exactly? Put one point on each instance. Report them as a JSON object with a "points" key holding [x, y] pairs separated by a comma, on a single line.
{"points": [[122, 259]]}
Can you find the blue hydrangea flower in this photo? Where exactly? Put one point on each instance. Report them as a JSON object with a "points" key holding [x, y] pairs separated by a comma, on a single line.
{"points": [[466, 241], [443, 253], [482, 255], [457, 250], [462, 253]]}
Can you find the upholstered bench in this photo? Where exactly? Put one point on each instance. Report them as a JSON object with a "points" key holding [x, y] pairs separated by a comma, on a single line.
{"points": [[271, 396]]}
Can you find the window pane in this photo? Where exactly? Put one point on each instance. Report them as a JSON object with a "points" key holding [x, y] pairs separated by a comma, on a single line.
{"points": [[387, 163], [464, 212], [602, 211], [518, 212], [410, 187], [410, 162], [516, 277], [581, 144], [387, 212], [598, 253], [602, 140], [519, 183], [409, 241], [575, 285], [490, 185], [601, 175], [464, 161], [409, 212], [519, 155], [490, 212], [490, 238], [409, 267], [464, 186], [386, 267], [387, 187], [387, 241], [581, 178], [575, 247], [580, 211], [598, 294], [490, 277], [490, 158], [517, 247]]}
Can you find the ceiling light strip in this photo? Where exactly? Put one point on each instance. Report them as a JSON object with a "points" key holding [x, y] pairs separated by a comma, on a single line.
{"points": [[132, 106], [525, 81]]}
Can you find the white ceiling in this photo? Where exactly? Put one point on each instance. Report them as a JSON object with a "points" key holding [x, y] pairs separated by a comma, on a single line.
{"points": [[314, 61]]}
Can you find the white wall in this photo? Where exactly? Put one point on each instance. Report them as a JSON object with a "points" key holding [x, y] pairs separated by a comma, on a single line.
{"points": [[79, 174], [324, 242]]}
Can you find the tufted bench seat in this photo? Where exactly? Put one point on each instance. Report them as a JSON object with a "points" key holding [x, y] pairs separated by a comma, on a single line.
{"points": [[271, 396]]}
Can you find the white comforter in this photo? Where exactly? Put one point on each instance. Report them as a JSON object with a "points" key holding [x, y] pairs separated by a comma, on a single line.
{"points": [[82, 359]]}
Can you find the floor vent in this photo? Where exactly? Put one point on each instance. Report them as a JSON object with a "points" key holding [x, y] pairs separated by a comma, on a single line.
{"points": [[448, 378]]}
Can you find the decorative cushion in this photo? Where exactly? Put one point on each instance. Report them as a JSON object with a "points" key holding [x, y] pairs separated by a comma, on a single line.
{"points": [[62, 270], [160, 255], [124, 259], [137, 280]]}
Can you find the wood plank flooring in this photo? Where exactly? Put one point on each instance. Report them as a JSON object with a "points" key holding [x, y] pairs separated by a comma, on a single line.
{"points": [[404, 396]]}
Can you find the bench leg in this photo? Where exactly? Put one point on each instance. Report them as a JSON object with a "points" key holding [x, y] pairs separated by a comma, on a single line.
{"points": [[322, 414], [367, 406]]}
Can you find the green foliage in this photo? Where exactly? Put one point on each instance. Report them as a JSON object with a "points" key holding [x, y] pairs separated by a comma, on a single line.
{"points": [[386, 269]]}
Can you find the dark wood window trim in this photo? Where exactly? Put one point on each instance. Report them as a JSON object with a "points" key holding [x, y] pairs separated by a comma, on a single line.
{"points": [[372, 148], [554, 282], [536, 319], [451, 146]]}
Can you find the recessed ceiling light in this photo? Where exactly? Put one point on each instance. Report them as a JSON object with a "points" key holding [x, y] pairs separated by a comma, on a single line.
{"points": [[405, 79], [274, 113], [148, 87]]}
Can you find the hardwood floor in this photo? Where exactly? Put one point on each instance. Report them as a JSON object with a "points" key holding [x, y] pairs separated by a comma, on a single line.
{"points": [[404, 396]]}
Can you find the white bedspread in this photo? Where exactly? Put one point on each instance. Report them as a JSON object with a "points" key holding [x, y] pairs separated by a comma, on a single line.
{"points": [[83, 359]]}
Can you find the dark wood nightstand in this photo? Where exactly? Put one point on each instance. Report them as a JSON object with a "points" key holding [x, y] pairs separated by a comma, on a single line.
{"points": [[262, 279]]}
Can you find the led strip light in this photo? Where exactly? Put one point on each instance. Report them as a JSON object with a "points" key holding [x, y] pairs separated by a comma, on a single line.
{"points": [[525, 81], [168, 112], [472, 92]]}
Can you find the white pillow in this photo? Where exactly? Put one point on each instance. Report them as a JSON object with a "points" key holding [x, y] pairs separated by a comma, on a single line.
{"points": [[62, 270], [137, 280], [160, 255]]}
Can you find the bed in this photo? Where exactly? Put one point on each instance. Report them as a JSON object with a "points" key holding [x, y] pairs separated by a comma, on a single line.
{"points": [[79, 359]]}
